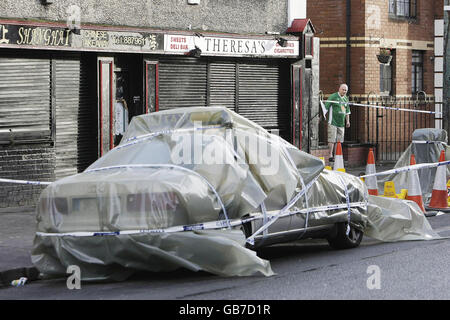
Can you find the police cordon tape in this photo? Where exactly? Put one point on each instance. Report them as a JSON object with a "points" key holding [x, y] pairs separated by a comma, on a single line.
{"points": [[222, 223], [408, 168], [426, 142], [26, 182], [251, 239], [382, 107], [219, 224], [137, 139]]}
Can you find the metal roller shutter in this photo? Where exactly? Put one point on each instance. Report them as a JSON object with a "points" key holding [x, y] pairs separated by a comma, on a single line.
{"points": [[25, 100], [222, 84], [258, 91], [182, 83], [76, 125], [87, 114], [264, 96]]}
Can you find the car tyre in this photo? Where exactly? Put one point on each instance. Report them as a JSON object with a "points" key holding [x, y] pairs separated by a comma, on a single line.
{"points": [[340, 239]]}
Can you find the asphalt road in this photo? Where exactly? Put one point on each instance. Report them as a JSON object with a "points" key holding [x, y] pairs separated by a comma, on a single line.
{"points": [[304, 270]]}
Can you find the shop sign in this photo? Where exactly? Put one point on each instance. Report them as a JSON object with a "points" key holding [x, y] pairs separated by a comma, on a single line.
{"points": [[87, 39], [182, 44], [34, 36], [117, 40], [23, 36]]}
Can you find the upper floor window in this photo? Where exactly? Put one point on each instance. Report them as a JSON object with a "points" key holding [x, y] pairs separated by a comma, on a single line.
{"points": [[417, 72], [403, 8]]}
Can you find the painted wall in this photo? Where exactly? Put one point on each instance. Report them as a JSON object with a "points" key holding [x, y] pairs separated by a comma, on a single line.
{"points": [[237, 16]]}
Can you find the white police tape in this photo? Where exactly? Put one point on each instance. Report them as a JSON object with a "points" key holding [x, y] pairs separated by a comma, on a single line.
{"points": [[251, 239], [383, 107], [219, 224], [347, 200], [25, 182], [426, 142], [408, 168], [138, 139]]}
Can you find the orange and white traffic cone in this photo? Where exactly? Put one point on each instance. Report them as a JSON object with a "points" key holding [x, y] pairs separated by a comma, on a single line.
{"points": [[371, 182], [338, 158], [439, 194], [414, 190]]}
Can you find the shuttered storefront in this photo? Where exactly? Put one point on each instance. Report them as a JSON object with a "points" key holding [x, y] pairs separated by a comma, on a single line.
{"points": [[25, 98], [182, 83], [258, 91], [264, 96], [47, 98], [222, 84], [76, 114]]}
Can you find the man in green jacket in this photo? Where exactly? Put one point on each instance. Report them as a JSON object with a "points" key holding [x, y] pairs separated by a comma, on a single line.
{"points": [[338, 118]]}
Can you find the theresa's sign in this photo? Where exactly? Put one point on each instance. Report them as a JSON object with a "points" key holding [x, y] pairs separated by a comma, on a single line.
{"points": [[229, 46]]}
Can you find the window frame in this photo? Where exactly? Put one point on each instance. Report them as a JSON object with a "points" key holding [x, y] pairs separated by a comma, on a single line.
{"points": [[387, 81], [394, 9], [417, 69]]}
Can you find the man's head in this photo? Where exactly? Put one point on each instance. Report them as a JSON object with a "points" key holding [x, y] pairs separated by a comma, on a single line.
{"points": [[343, 90]]}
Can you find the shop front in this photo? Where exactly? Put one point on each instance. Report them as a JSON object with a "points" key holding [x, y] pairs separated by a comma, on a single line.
{"points": [[73, 92]]}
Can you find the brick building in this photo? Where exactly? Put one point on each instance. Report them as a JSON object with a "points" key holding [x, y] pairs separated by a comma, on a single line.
{"points": [[353, 34]]}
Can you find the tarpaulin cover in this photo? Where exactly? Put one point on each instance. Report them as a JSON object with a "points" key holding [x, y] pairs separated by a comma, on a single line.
{"points": [[426, 145], [167, 196]]}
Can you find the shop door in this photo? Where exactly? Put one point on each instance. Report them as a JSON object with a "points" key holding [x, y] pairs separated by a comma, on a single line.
{"points": [[105, 93]]}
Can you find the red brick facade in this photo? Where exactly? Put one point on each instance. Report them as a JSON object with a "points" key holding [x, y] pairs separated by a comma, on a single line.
{"points": [[372, 27]]}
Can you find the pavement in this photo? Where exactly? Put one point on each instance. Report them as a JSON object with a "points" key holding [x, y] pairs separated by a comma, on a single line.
{"points": [[17, 229]]}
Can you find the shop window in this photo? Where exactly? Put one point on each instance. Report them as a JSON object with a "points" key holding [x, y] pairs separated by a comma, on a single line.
{"points": [[403, 8], [417, 72]]}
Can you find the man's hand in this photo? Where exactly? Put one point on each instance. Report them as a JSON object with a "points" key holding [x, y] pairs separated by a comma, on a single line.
{"points": [[347, 124]]}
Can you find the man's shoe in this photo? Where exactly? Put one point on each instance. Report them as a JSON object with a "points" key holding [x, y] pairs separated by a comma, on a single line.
{"points": [[331, 159]]}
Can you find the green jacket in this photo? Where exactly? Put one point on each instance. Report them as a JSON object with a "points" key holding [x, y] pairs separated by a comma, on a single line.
{"points": [[336, 111]]}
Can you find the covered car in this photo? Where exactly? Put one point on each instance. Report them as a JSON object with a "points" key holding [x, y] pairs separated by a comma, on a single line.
{"points": [[198, 188]]}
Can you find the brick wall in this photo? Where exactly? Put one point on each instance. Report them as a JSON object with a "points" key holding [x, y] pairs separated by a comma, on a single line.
{"points": [[354, 156], [329, 18], [31, 163], [322, 152], [367, 36]]}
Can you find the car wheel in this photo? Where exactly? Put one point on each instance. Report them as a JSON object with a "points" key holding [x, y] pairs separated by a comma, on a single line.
{"points": [[340, 239]]}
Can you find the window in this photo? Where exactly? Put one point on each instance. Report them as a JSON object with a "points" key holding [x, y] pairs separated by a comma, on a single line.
{"points": [[385, 79], [403, 8], [417, 71], [386, 59]]}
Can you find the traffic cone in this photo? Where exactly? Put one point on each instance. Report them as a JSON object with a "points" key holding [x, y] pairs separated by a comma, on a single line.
{"points": [[439, 194], [414, 190], [338, 158], [371, 182]]}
